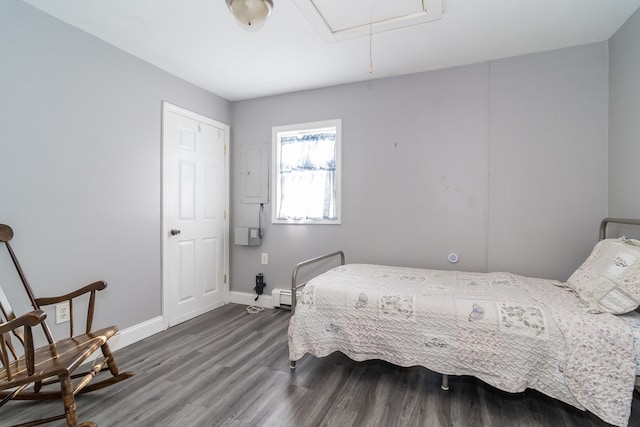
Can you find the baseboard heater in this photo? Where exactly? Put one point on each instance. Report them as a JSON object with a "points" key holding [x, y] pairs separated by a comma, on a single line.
{"points": [[281, 298]]}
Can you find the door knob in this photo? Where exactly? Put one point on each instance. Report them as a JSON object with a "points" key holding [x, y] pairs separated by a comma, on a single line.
{"points": [[174, 232]]}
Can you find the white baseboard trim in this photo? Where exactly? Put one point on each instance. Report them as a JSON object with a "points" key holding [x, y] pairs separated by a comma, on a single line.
{"points": [[246, 298], [132, 335], [136, 333]]}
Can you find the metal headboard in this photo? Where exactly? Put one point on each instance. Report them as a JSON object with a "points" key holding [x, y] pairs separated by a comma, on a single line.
{"points": [[294, 277], [607, 221]]}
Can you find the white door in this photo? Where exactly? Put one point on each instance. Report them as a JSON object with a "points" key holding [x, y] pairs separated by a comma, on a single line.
{"points": [[195, 225]]}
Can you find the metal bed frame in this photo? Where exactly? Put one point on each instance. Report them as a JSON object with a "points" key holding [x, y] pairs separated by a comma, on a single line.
{"points": [[295, 286], [621, 221]]}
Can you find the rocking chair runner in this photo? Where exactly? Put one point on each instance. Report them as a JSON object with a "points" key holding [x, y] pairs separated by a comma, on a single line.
{"points": [[23, 365]]}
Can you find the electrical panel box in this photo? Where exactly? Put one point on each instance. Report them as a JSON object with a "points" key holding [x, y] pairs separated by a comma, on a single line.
{"points": [[254, 173], [247, 236]]}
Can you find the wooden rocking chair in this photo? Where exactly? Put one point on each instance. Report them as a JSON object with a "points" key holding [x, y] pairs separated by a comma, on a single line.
{"points": [[23, 365]]}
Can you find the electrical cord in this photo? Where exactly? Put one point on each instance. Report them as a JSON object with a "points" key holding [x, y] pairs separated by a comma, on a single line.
{"points": [[254, 309], [260, 213]]}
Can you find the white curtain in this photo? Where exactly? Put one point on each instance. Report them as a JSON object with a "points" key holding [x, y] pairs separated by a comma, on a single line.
{"points": [[307, 176]]}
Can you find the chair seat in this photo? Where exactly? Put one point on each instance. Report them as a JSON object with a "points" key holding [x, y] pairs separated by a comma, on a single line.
{"points": [[59, 358]]}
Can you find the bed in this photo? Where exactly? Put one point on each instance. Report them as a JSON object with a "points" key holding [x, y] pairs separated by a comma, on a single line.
{"points": [[573, 341]]}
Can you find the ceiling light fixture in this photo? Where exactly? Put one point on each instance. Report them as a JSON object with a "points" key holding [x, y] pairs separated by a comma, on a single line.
{"points": [[251, 14]]}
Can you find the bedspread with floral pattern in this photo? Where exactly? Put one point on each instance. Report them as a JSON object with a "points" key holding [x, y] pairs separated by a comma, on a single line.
{"points": [[510, 331]]}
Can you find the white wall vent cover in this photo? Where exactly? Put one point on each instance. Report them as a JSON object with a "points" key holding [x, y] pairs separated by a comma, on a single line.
{"points": [[339, 19]]}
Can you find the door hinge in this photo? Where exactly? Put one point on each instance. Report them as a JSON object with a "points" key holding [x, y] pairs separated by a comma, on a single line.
{"points": [[225, 214], [225, 278], [225, 149]]}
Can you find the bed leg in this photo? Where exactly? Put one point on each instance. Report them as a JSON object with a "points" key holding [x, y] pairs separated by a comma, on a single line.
{"points": [[292, 364], [445, 382]]}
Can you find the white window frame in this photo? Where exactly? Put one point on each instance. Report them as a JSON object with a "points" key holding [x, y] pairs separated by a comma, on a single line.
{"points": [[276, 181]]}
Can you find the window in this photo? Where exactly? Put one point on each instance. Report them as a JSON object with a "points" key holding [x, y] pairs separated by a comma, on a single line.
{"points": [[306, 173]]}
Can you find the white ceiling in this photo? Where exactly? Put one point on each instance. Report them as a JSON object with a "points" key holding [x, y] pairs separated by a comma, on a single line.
{"points": [[199, 40]]}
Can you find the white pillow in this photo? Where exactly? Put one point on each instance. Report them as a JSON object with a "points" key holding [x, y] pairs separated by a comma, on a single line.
{"points": [[609, 280]]}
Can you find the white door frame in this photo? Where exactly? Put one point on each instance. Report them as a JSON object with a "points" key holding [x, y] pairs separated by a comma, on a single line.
{"points": [[164, 232]]}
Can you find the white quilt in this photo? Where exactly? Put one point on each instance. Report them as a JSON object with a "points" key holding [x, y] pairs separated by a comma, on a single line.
{"points": [[510, 331]]}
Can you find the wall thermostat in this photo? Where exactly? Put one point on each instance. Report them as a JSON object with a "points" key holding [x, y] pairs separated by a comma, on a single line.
{"points": [[453, 257]]}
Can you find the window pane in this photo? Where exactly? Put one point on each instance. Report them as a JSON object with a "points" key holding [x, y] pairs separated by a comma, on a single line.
{"points": [[306, 173]]}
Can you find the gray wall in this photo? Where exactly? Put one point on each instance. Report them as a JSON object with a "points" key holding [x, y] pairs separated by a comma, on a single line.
{"points": [[503, 162], [624, 120], [80, 150], [548, 160], [407, 205]]}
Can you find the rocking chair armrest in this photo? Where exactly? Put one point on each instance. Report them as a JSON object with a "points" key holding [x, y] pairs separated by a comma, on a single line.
{"points": [[95, 286], [30, 319], [90, 289], [27, 321]]}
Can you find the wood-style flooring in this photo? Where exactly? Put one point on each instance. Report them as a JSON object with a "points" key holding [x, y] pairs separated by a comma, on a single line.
{"points": [[231, 368]]}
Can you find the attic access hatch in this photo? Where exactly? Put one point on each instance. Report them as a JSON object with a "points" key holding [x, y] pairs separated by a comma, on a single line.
{"points": [[337, 20]]}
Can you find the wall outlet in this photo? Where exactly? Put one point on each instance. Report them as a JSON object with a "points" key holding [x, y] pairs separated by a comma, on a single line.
{"points": [[265, 258], [63, 312]]}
